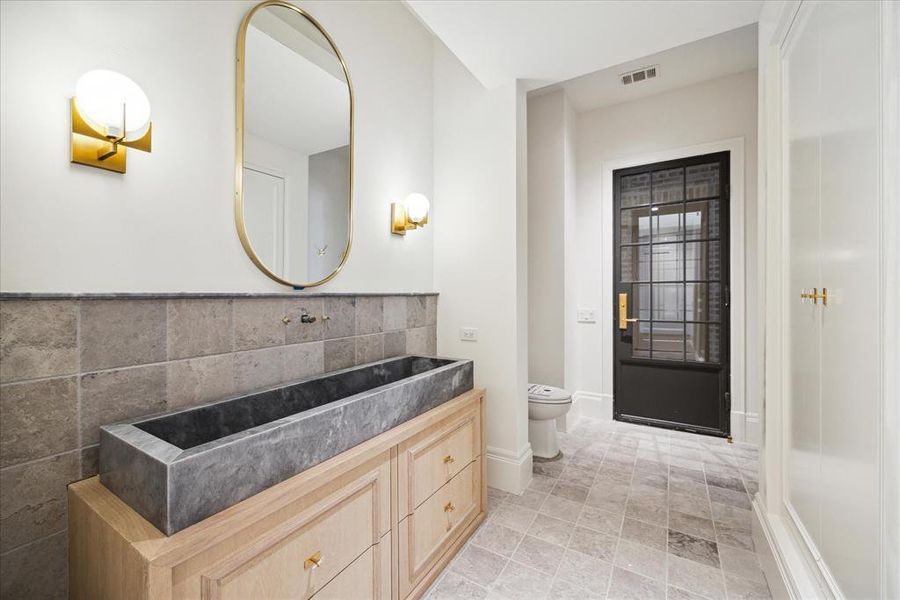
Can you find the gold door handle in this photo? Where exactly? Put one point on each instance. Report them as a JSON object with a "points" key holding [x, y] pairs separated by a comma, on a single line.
{"points": [[815, 296], [623, 312], [313, 562], [449, 459]]}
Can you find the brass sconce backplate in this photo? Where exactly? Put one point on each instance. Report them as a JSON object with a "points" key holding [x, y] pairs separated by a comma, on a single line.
{"points": [[92, 148]]}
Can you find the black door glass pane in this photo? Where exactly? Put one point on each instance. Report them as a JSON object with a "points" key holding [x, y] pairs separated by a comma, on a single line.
{"points": [[667, 223], [668, 185], [697, 345], [635, 226], [668, 341], [715, 301], [635, 263], [703, 261], [701, 220], [635, 190], [640, 298], [715, 343], [640, 346], [702, 181], [668, 262], [668, 302], [696, 302]]}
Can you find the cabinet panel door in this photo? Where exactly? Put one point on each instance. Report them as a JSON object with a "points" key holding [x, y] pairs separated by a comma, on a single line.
{"points": [[801, 68], [300, 557], [431, 529], [849, 206]]}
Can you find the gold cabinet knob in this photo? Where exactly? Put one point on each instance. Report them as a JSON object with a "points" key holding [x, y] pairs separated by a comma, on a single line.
{"points": [[313, 562], [449, 459]]}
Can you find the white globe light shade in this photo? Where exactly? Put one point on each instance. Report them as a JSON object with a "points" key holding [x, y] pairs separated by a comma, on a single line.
{"points": [[101, 95], [416, 207]]}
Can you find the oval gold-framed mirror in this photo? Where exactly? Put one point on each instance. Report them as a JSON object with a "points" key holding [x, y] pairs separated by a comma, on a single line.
{"points": [[293, 202]]}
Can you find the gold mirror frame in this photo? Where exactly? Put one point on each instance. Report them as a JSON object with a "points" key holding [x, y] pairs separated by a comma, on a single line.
{"points": [[239, 147]]}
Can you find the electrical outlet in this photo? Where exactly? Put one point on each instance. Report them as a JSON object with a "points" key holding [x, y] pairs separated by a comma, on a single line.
{"points": [[468, 334], [586, 315]]}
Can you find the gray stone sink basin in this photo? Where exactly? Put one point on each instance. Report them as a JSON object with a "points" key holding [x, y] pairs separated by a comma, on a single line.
{"points": [[178, 468]]}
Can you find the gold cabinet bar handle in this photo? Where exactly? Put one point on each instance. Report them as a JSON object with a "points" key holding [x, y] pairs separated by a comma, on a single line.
{"points": [[449, 459], [313, 562], [815, 296]]}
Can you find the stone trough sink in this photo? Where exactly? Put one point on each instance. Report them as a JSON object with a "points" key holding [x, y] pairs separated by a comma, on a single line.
{"points": [[178, 468]]}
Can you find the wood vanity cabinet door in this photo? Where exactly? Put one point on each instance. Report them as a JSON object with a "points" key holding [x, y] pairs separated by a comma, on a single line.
{"points": [[426, 534], [431, 459], [300, 557]]}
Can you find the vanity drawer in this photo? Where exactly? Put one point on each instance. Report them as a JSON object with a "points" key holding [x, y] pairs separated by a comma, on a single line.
{"points": [[367, 578], [426, 534], [300, 557], [429, 461]]}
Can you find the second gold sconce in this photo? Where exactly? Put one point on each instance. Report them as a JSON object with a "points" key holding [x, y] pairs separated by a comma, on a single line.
{"points": [[409, 214], [109, 110]]}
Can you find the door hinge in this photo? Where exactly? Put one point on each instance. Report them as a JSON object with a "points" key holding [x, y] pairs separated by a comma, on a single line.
{"points": [[728, 402], [727, 295], [727, 191]]}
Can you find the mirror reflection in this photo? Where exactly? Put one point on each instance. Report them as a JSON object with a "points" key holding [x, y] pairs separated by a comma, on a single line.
{"points": [[296, 171]]}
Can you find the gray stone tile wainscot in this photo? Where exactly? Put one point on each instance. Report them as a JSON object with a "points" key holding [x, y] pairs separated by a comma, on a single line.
{"points": [[66, 361]]}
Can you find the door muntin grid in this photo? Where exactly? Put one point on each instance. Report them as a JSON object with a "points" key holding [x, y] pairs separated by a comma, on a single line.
{"points": [[670, 259]]}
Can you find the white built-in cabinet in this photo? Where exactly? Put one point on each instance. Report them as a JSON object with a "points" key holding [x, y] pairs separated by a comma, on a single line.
{"points": [[831, 115]]}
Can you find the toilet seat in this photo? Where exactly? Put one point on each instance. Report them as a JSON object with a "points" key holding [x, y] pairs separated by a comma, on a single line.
{"points": [[548, 394]]}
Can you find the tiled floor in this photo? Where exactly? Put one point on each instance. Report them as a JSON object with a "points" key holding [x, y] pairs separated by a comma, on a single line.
{"points": [[628, 512]]}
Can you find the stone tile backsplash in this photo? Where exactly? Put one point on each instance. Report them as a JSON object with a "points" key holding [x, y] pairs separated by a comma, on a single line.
{"points": [[69, 365]]}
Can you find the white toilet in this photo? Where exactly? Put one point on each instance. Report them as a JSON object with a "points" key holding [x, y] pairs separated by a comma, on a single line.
{"points": [[545, 404]]}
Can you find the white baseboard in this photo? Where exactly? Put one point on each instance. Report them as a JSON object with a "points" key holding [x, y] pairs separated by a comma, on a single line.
{"points": [[509, 471], [753, 428], [746, 427], [787, 570], [590, 404]]}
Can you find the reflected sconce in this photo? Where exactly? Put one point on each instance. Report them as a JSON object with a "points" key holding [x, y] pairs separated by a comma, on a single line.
{"points": [[109, 112], [412, 213]]}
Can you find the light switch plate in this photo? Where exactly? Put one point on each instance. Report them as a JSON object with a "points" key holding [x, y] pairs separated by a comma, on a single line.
{"points": [[587, 315], [468, 334]]}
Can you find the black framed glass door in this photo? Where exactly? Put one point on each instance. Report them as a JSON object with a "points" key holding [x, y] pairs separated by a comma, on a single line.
{"points": [[671, 294]]}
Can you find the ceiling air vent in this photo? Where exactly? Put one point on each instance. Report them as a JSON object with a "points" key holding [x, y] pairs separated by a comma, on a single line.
{"points": [[639, 75]]}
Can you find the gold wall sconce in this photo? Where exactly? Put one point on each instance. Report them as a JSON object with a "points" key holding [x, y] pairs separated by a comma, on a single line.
{"points": [[412, 213], [109, 112]]}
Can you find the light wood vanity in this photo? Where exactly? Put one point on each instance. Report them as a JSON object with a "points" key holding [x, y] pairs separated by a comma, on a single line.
{"points": [[378, 521]]}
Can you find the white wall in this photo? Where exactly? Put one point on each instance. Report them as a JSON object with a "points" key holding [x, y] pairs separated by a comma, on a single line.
{"points": [[546, 238], [167, 224], [328, 187], [480, 251], [719, 109]]}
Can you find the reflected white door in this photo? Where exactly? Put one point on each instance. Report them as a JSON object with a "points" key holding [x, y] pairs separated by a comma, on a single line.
{"points": [[264, 216]]}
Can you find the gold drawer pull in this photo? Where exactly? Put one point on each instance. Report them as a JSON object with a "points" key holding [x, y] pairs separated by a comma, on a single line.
{"points": [[449, 508], [449, 459], [313, 562]]}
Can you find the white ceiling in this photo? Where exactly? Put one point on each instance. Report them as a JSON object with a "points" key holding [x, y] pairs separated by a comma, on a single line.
{"points": [[724, 54], [545, 42]]}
